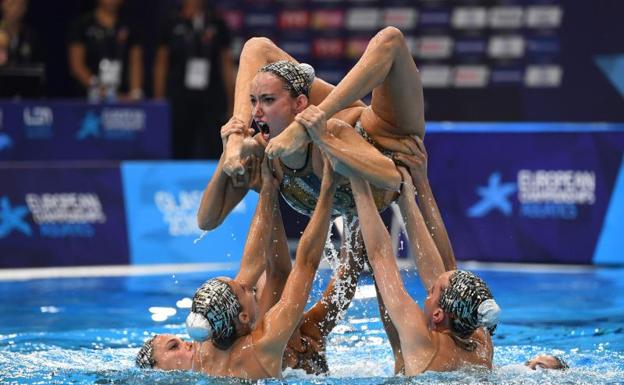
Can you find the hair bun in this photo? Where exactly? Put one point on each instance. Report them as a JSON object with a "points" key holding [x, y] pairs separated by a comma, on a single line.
{"points": [[309, 72], [198, 327]]}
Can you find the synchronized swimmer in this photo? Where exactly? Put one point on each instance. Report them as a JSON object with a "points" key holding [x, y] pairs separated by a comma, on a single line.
{"points": [[328, 154]]}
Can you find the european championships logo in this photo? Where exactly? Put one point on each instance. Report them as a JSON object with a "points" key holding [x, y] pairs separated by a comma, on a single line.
{"points": [[5, 142], [496, 195], [12, 218], [90, 126]]}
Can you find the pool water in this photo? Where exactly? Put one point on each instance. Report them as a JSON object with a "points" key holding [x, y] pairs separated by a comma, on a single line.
{"points": [[87, 331]]}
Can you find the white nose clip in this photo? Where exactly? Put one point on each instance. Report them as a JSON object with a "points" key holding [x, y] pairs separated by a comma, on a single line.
{"points": [[198, 327]]}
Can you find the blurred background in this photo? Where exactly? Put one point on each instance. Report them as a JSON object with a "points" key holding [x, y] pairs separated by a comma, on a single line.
{"points": [[110, 112]]}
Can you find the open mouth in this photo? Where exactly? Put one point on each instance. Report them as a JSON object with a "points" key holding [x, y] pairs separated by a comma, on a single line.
{"points": [[264, 129]]}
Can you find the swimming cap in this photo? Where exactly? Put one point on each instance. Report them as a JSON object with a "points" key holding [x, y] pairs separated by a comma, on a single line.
{"points": [[145, 356], [470, 304], [298, 77], [214, 309]]}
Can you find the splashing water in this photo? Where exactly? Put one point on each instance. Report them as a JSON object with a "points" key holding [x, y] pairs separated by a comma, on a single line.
{"points": [[201, 236], [103, 321]]}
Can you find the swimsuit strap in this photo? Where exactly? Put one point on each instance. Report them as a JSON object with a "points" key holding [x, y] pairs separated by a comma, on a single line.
{"points": [[303, 171], [362, 132]]}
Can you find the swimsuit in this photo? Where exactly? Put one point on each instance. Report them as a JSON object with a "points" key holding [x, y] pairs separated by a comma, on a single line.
{"points": [[301, 188]]}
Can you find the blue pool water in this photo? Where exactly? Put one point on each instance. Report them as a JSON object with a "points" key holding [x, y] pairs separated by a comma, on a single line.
{"points": [[86, 331]]}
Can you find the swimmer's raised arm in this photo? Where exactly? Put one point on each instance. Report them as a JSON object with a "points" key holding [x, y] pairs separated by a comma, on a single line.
{"points": [[391, 332], [406, 315], [427, 257], [417, 165], [278, 259], [276, 328], [259, 241]]}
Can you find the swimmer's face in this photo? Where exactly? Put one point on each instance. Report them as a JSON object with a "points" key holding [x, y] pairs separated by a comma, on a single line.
{"points": [[272, 104], [172, 353], [247, 298], [545, 362], [432, 302]]}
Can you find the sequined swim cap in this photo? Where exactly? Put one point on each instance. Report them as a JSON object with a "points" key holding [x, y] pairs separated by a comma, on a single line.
{"points": [[213, 312], [470, 303], [298, 77]]}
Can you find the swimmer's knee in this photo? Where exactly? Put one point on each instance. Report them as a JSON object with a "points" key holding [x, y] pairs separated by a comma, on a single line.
{"points": [[391, 36], [258, 46]]}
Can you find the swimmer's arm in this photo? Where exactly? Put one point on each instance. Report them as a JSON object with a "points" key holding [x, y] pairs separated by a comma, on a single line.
{"points": [[278, 264], [351, 155], [279, 323], [391, 332], [322, 317], [435, 224], [259, 241], [407, 317], [427, 257], [417, 164]]}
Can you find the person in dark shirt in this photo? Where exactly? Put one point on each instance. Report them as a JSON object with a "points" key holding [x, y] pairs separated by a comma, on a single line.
{"points": [[193, 69], [22, 46], [105, 55]]}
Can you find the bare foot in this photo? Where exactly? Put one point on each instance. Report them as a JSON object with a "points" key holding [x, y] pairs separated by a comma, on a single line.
{"points": [[290, 140]]}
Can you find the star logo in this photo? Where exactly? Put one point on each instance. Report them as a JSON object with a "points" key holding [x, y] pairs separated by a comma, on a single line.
{"points": [[5, 142], [90, 126], [12, 218], [493, 196]]}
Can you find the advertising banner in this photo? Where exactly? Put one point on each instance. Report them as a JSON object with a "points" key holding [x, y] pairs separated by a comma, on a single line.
{"points": [[53, 216], [530, 192], [72, 130], [161, 205]]}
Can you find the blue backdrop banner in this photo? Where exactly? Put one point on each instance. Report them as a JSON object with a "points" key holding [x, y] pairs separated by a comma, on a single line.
{"points": [[536, 193], [73, 130], [161, 206], [61, 216]]}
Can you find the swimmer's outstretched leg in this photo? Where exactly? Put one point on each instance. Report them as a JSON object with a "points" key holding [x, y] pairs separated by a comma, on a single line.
{"points": [[388, 70]]}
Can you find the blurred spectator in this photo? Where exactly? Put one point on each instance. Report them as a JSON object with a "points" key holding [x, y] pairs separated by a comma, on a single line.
{"points": [[23, 47], [105, 55], [193, 68], [5, 41]]}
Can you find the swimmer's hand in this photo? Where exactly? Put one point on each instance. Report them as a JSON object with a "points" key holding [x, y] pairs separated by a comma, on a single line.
{"points": [[314, 120], [416, 163], [290, 140], [232, 135]]}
